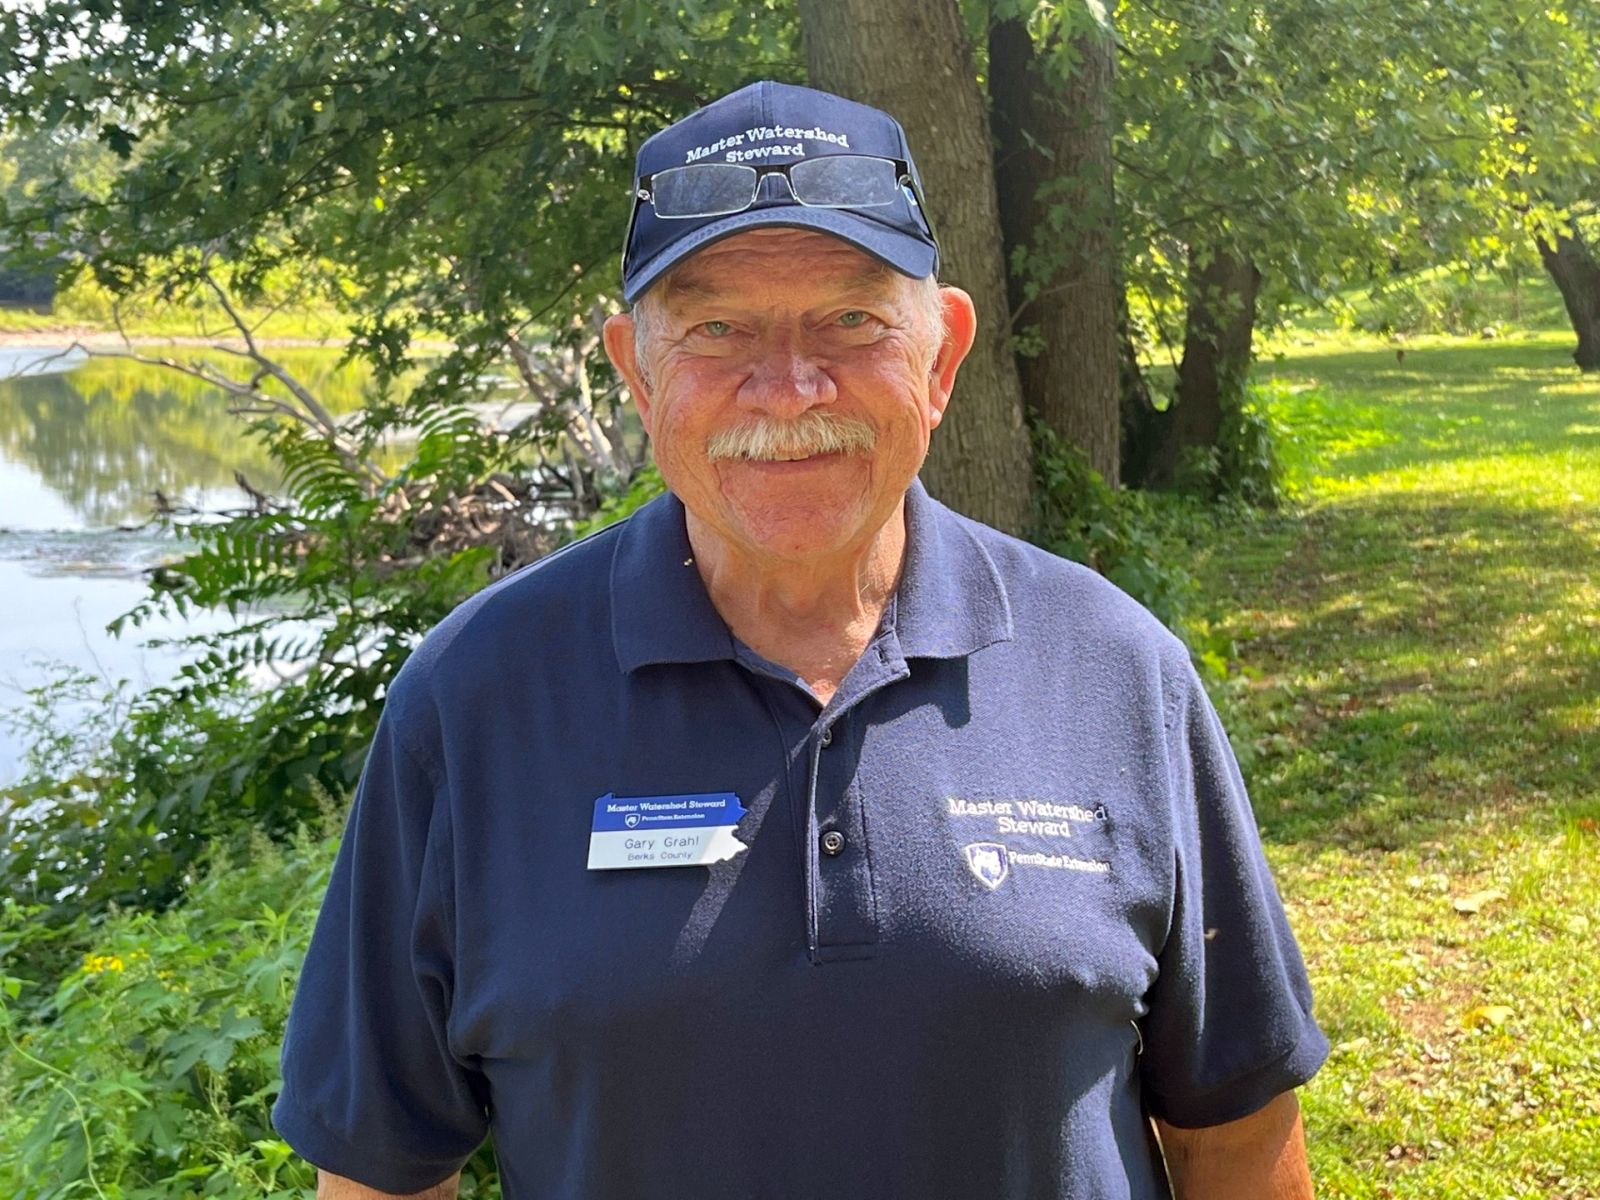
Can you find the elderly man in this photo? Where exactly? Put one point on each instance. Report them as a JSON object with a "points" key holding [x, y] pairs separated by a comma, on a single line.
{"points": [[797, 837]]}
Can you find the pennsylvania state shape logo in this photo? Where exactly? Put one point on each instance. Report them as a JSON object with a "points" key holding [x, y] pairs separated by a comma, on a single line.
{"points": [[987, 860]]}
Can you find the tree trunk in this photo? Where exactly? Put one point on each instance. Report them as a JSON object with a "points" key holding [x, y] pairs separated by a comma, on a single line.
{"points": [[1142, 423], [911, 59], [1576, 272], [1219, 326], [1053, 171]]}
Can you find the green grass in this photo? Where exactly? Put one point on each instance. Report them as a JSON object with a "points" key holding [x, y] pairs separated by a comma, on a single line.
{"points": [[1417, 708]]}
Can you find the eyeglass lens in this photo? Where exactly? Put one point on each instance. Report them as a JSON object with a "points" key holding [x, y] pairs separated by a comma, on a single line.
{"points": [[832, 181]]}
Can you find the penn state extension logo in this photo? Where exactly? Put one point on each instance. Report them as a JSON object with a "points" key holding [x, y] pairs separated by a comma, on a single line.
{"points": [[987, 860]]}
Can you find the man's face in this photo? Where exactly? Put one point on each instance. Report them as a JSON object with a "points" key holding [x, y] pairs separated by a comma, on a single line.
{"points": [[772, 331]]}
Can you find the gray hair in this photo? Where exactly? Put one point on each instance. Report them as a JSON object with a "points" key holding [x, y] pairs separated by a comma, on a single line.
{"points": [[927, 312]]}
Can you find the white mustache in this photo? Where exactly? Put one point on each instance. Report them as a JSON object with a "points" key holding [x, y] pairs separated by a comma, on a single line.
{"points": [[814, 431]]}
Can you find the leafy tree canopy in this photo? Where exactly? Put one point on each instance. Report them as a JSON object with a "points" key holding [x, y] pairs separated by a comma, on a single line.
{"points": [[1324, 140], [462, 164]]}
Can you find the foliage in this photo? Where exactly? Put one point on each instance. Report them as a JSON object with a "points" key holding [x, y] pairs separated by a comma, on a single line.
{"points": [[147, 1069], [646, 486], [364, 141], [331, 586], [1080, 517], [1459, 298], [342, 155], [1326, 146], [67, 163], [1242, 464], [1455, 307]]}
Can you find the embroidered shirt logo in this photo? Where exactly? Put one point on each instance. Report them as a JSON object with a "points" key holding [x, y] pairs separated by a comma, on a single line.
{"points": [[987, 860], [1038, 833]]}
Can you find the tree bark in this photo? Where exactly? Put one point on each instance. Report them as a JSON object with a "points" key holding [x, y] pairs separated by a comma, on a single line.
{"points": [[1219, 327], [911, 59], [1053, 173], [1576, 272]]}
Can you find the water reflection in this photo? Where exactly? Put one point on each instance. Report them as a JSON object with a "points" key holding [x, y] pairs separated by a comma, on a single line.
{"points": [[105, 437], [82, 452]]}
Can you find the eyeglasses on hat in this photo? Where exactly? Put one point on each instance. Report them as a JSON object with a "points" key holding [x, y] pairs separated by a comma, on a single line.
{"points": [[716, 189]]}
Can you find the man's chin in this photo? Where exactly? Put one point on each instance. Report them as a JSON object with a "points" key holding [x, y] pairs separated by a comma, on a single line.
{"points": [[797, 535]]}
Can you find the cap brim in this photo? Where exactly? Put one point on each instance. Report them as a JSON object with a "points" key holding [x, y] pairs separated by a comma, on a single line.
{"points": [[908, 254]]}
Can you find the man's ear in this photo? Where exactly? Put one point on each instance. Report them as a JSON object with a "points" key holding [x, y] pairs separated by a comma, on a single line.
{"points": [[960, 330], [617, 333]]}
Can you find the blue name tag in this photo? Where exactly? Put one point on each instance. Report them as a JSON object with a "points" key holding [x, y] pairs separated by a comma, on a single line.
{"points": [[664, 831]]}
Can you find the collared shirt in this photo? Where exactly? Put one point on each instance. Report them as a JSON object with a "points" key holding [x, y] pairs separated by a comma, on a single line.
{"points": [[1003, 897]]}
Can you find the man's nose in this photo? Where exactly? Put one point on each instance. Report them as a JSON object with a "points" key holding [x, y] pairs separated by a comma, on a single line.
{"points": [[786, 381]]}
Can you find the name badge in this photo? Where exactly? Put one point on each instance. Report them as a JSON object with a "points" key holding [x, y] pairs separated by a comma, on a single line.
{"points": [[664, 831]]}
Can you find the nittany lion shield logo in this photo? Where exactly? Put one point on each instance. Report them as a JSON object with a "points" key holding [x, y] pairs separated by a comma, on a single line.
{"points": [[988, 862]]}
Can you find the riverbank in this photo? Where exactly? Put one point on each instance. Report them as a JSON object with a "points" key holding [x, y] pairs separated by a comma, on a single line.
{"points": [[90, 337], [97, 338]]}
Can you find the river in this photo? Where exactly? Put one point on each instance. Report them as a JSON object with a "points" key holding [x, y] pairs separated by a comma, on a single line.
{"points": [[85, 447]]}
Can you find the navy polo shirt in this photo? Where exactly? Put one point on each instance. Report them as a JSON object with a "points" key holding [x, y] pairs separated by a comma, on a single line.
{"points": [[1003, 896]]}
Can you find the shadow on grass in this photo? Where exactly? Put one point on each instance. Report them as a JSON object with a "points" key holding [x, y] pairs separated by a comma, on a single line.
{"points": [[1423, 660]]}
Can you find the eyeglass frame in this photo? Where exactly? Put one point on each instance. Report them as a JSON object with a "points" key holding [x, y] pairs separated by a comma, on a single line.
{"points": [[903, 177]]}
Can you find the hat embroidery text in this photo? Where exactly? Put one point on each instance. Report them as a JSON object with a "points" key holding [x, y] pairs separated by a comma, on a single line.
{"points": [[765, 133]]}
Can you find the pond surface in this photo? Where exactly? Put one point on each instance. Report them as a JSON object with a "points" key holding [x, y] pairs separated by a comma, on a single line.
{"points": [[86, 445]]}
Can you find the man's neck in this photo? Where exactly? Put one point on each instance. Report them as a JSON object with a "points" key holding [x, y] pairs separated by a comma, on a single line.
{"points": [[814, 617]]}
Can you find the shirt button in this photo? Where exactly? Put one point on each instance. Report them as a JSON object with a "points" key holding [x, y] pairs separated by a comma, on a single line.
{"points": [[832, 842], [827, 737]]}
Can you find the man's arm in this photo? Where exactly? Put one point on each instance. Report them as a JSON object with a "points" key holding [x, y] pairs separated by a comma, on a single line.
{"points": [[1259, 1157], [337, 1187]]}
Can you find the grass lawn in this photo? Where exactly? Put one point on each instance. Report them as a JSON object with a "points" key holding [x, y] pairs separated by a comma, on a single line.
{"points": [[1418, 714]]}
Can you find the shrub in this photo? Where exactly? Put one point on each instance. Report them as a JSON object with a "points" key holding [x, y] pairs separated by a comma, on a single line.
{"points": [[1079, 516], [149, 1071], [1244, 464], [331, 585], [1458, 305]]}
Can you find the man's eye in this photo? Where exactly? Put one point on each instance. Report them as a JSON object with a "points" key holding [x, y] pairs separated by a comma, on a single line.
{"points": [[853, 319], [715, 329]]}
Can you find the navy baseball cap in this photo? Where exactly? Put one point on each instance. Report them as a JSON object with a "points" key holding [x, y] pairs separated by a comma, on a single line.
{"points": [[767, 125]]}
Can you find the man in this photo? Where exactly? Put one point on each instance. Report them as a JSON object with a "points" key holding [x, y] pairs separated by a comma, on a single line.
{"points": [[797, 837]]}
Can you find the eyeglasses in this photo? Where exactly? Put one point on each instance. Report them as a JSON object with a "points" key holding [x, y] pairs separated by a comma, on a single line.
{"points": [[828, 181]]}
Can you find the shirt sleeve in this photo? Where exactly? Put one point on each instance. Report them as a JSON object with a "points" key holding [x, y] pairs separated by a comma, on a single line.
{"points": [[371, 1088], [1229, 1022]]}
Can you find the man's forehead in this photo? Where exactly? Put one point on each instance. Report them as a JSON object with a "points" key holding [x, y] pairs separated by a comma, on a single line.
{"points": [[747, 259]]}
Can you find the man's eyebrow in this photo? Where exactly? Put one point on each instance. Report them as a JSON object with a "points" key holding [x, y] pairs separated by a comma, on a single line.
{"points": [[681, 288]]}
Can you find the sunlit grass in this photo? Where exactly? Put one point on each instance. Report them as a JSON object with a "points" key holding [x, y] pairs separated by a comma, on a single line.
{"points": [[1417, 708]]}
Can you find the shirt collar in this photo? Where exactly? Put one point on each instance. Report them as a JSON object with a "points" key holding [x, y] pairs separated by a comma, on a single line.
{"points": [[660, 611], [951, 599]]}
